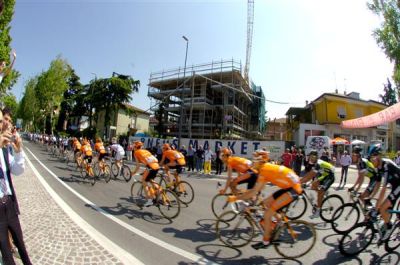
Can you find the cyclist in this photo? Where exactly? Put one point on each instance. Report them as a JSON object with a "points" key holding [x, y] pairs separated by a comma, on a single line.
{"points": [[365, 169], [243, 167], [172, 159], [145, 157], [99, 148], [119, 153], [86, 151], [76, 145], [290, 187], [323, 175], [390, 173]]}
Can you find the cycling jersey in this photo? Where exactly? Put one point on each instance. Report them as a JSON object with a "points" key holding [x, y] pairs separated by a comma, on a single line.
{"points": [[323, 169], [390, 173], [77, 145], [145, 157], [280, 176], [86, 150], [239, 164], [173, 155], [366, 166], [99, 147]]}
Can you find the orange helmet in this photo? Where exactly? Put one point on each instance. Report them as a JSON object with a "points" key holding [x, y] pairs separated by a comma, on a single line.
{"points": [[137, 144], [98, 140], [225, 152], [166, 146]]}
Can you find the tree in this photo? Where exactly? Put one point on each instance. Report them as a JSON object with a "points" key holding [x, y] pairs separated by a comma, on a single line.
{"points": [[159, 114], [389, 95], [388, 35], [5, 41], [28, 109], [10, 101], [110, 94]]}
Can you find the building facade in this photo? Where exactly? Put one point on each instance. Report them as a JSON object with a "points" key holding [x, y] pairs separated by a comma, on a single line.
{"points": [[207, 101], [324, 115]]}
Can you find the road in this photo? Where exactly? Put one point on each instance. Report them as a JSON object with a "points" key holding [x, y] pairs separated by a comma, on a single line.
{"points": [[188, 239]]}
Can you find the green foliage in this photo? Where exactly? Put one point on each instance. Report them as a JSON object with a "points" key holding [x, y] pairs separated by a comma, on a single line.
{"points": [[28, 107], [10, 101], [388, 34], [5, 44], [389, 95]]}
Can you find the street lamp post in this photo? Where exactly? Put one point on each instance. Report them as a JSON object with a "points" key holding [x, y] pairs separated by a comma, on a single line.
{"points": [[184, 82], [91, 102]]}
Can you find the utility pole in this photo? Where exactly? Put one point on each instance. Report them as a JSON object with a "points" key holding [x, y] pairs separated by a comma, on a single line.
{"points": [[183, 87]]}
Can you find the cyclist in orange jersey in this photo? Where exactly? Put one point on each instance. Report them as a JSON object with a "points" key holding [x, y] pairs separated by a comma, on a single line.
{"points": [[145, 157], [172, 159], [282, 177], [86, 151], [76, 145], [99, 148], [243, 167]]}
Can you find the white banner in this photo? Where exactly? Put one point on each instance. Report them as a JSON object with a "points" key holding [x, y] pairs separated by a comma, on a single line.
{"points": [[243, 148]]}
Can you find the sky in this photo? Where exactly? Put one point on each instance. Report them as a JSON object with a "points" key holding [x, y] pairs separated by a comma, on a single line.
{"points": [[301, 48]]}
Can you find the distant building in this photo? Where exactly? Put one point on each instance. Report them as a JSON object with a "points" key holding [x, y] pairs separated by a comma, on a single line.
{"points": [[213, 100], [324, 115]]}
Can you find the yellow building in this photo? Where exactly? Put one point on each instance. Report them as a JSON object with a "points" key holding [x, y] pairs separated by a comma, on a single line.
{"points": [[324, 115], [132, 120]]}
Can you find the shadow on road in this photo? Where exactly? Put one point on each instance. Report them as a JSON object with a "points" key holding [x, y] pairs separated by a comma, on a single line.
{"points": [[204, 232], [335, 257], [387, 259]]}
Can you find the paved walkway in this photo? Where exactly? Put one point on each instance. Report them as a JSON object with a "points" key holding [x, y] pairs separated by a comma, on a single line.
{"points": [[49, 233]]}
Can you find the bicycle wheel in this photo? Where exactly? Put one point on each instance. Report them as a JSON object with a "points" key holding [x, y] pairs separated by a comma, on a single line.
{"points": [[235, 229], [297, 208], [184, 191], [357, 239], [114, 170], [393, 241], [137, 193], [161, 180], [91, 176], [329, 206], [345, 217], [126, 173], [168, 204], [294, 239], [107, 173], [82, 172], [219, 205], [96, 169]]}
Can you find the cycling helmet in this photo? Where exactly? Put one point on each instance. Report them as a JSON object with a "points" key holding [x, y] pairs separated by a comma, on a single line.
{"points": [[137, 144], [166, 146], [313, 153], [261, 155], [375, 150], [357, 150]]}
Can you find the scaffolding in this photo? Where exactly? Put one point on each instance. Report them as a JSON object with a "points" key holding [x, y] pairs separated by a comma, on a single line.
{"points": [[215, 102]]}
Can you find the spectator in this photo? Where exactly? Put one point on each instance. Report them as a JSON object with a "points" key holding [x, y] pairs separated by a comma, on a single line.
{"points": [[190, 157], [345, 161], [397, 159], [159, 151], [208, 155], [218, 162], [129, 149], [325, 154], [4, 70], [183, 151], [287, 158], [298, 161], [199, 158]]}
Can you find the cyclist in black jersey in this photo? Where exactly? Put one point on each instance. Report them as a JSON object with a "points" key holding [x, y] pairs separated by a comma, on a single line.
{"points": [[390, 174], [365, 169]]}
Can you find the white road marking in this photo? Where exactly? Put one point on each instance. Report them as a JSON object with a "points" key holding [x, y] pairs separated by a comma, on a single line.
{"points": [[119, 252]]}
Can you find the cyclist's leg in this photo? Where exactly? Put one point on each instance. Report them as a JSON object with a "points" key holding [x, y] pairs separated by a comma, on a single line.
{"points": [[320, 194], [144, 183], [242, 178]]}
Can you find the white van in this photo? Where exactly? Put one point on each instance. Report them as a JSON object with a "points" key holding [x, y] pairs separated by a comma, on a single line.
{"points": [[317, 143]]}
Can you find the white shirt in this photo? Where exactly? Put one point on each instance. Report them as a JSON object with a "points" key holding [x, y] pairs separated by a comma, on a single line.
{"points": [[345, 160], [118, 148], [17, 167], [208, 155]]}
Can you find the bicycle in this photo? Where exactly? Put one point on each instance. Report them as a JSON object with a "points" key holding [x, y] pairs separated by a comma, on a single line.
{"points": [[166, 201], [348, 214], [182, 189], [125, 171], [86, 170], [219, 202], [362, 234], [290, 238], [329, 204], [102, 169]]}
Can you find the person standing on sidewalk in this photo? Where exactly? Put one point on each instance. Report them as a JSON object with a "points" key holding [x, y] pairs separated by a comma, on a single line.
{"points": [[199, 158], [345, 161], [9, 210], [218, 162], [190, 157], [208, 155]]}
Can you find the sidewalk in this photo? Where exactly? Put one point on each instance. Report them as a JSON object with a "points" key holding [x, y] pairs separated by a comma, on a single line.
{"points": [[49, 233]]}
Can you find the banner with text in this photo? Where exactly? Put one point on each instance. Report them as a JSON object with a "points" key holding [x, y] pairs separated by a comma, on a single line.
{"points": [[244, 148], [389, 114]]}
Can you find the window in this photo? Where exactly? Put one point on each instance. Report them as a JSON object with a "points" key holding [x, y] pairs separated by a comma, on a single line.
{"points": [[358, 113], [341, 112]]}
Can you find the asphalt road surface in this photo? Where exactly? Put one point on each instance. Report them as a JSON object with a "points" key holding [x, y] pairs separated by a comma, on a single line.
{"points": [[188, 239]]}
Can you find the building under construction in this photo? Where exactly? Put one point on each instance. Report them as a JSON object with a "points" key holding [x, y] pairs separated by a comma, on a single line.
{"points": [[213, 100]]}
